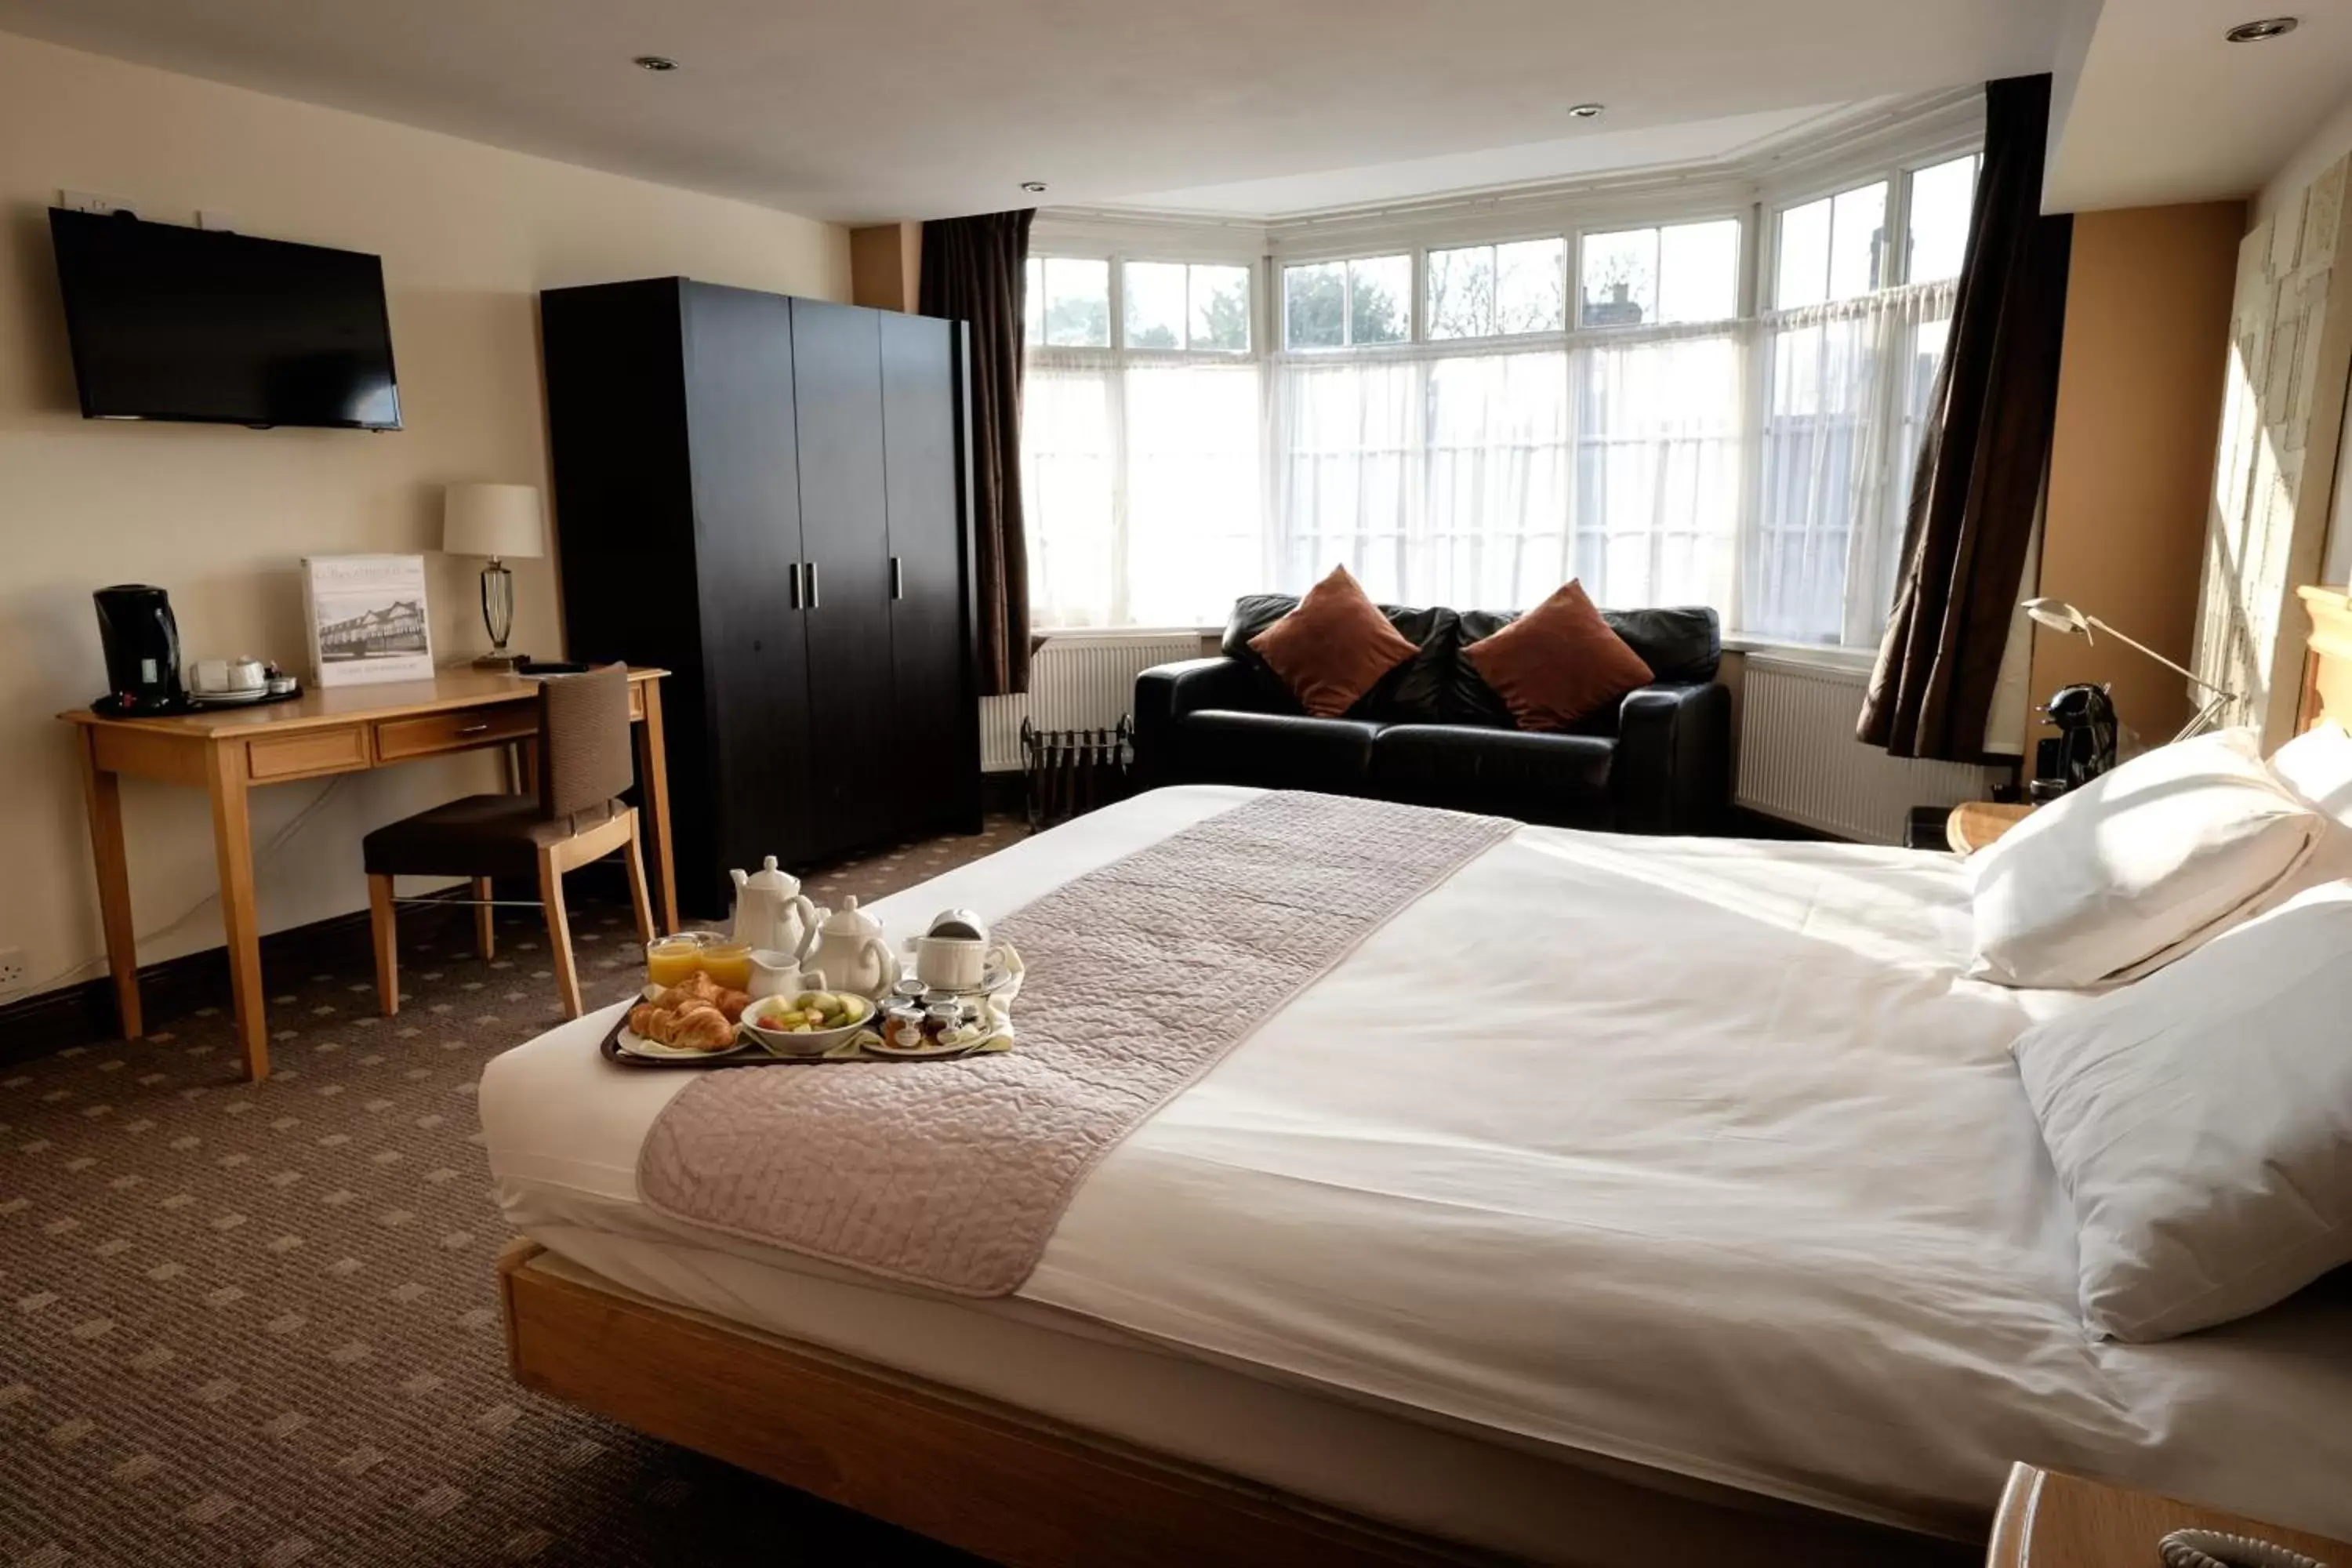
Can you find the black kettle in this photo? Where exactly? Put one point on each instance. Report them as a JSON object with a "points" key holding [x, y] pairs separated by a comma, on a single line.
{"points": [[142, 652]]}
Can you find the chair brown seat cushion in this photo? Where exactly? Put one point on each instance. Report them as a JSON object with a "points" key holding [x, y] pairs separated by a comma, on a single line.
{"points": [[475, 835]]}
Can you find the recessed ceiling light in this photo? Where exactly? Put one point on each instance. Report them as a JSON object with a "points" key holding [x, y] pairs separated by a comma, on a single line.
{"points": [[2255, 32], [1035, 187], [1585, 111], [655, 63]]}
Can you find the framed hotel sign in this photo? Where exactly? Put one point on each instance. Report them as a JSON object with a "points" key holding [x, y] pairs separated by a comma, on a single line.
{"points": [[368, 619]]}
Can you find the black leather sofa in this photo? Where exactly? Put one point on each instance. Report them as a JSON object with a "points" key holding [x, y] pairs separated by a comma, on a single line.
{"points": [[1433, 733]]}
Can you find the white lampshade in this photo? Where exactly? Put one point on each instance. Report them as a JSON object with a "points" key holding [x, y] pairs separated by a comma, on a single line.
{"points": [[493, 519]]}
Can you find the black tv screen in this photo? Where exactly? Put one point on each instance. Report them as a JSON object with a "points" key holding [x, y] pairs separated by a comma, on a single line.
{"points": [[185, 323]]}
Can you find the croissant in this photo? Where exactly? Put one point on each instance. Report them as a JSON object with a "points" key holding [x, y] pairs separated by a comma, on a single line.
{"points": [[649, 1021], [695, 987], [732, 1003], [703, 1029]]}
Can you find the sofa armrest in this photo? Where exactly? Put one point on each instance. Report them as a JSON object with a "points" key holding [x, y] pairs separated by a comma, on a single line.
{"points": [[1164, 694], [1672, 773]]}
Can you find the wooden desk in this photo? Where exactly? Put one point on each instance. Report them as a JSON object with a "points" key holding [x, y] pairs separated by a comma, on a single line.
{"points": [[2050, 1519], [229, 751]]}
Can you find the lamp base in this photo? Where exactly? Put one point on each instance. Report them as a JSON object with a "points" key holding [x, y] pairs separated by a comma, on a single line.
{"points": [[508, 662]]}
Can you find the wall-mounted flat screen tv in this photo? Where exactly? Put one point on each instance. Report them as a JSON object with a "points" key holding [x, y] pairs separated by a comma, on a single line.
{"points": [[186, 323]]}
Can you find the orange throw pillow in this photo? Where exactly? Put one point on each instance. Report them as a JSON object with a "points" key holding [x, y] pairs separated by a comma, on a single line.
{"points": [[1559, 662], [1333, 647]]}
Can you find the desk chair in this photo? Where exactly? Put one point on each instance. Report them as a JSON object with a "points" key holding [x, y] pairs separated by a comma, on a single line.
{"points": [[583, 751]]}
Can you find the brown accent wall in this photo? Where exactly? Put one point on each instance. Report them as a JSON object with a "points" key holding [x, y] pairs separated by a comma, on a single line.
{"points": [[885, 265], [2131, 466]]}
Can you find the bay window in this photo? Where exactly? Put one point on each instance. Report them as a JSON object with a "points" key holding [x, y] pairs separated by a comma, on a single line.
{"points": [[1474, 422]]}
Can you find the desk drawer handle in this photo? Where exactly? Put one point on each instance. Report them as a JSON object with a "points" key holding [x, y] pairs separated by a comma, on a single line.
{"points": [[475, 729]]}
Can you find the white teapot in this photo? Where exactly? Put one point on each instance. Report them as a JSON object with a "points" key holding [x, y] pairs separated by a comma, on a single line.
{"points": [[770, 911], [848, 948]]}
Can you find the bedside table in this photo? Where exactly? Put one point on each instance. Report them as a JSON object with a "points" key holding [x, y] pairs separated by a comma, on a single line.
{"points": [[2050, 1519], [1978, 823]]}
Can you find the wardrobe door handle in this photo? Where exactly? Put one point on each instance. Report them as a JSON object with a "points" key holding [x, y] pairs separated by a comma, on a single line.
{"points": [[792, 582], [898, 578], [814, 601]]}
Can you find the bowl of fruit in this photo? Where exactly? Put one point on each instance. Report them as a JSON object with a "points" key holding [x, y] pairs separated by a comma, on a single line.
{"points": [[806, 1023]]}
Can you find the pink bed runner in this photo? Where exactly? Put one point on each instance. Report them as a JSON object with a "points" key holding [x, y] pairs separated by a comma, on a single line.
{"points": [[1142, 974]]}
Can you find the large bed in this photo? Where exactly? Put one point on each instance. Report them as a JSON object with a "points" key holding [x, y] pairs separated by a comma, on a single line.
{"points": [[1619, 1200]]}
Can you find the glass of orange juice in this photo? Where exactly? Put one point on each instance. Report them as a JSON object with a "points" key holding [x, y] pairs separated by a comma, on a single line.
{"points": [[727, 964], [672, 959]]}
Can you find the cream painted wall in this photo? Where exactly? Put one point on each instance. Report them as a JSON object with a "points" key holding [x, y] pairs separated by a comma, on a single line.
{"points": [[221, 516], [2331, 142]]}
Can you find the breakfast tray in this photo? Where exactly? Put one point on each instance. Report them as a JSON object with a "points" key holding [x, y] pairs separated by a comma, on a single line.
{"points": [[864, 1046]]}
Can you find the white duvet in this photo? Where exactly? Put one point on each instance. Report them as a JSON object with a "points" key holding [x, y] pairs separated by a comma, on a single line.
{"points": [[1697, 1153]]}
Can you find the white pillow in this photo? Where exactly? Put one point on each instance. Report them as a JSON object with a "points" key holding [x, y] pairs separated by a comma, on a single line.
{"points": [[2136, 866], [2201, 1123]]}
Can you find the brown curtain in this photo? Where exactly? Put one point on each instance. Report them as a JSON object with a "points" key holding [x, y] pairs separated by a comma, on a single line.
{"points": [[972, 272], [1980, 469]]}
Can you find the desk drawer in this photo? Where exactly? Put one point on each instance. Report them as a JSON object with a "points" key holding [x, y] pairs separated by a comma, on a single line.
{"points": [[306, 752], [456, 732]]}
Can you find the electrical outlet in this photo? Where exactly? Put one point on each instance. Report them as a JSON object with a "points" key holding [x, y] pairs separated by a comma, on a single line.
{"points": [[12, 970], [93, 202]]}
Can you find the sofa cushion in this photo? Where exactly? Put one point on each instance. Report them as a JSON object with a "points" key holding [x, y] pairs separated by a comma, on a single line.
{"points": [[1559, 663], [1558, 779], [1424, 690], [1278, 750], [1333, 647], [1681, 645]]}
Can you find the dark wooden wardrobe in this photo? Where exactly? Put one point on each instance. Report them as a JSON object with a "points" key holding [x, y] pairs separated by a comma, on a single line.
{"points": [[767, 497]]}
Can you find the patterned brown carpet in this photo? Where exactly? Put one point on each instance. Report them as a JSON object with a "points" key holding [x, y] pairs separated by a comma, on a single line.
{"points": [[245, 1324]]}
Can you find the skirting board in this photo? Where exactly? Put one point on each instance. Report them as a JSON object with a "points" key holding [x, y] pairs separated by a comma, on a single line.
{"points": [[1029, 1492], [83, 1014]]}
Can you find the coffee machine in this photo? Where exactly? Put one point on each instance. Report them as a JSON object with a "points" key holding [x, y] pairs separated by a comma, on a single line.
{"points": [[2084, 746], [142, 652]]}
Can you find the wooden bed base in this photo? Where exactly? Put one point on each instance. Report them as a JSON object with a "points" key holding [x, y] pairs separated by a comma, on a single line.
{"points": [[1030, 1493]]}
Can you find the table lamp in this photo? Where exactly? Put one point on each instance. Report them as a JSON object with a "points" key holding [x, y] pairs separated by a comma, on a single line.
{"points": [[499, 521], [2060, 616]]}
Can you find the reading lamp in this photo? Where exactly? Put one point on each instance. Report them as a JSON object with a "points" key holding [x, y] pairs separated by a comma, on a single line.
{"points": [[499, 521], [2060, 616]]}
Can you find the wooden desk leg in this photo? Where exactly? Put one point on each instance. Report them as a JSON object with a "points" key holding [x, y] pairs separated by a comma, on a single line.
{"points": [[233, 842], [653, 776], [102, 792]]}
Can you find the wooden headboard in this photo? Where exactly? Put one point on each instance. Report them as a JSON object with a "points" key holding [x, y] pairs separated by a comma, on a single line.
{"points": [[2328, 672]]}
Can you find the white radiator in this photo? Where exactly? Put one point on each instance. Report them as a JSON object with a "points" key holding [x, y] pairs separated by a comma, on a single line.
{"points": [[1080, 680], [1799, 760]]}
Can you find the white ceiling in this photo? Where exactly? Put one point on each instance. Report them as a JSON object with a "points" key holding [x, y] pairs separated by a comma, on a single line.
{"points": [[2165, 110], [1603, 151], [870, 109]]}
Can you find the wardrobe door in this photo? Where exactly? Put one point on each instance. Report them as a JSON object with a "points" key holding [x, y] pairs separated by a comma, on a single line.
{"points": [[739, 395], [854, 741], [932, 684]]}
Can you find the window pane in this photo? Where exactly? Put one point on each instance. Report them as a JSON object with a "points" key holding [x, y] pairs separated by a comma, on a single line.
{"points": [[1530, 286], [1802, 276], [1077, 302], [1621, 278], [1155, 304], [1698, 271], [1941, 200], [1032, 302], [1315, 305], [1220, 307], [1462, 292], [1380, 290], [1858, 241]]}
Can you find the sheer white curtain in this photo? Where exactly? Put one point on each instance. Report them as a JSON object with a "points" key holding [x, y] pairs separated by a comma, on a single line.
{"points": [[1142, 479], [1843, 396], [1485, 480]]}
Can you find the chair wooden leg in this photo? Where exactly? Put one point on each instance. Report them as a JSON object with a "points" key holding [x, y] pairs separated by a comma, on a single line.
{"points": [[640, 899], [383, 927], [485, 941], [558, 930]]}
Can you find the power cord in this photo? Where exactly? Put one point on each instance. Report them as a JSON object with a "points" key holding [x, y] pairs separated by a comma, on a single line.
{"points": [[261, 856]]}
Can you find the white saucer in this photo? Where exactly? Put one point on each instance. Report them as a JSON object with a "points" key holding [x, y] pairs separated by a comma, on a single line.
{"points": [[250, 694]]}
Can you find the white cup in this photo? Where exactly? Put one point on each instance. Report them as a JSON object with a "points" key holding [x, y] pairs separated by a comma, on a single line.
{"points": [[951, 963]]}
